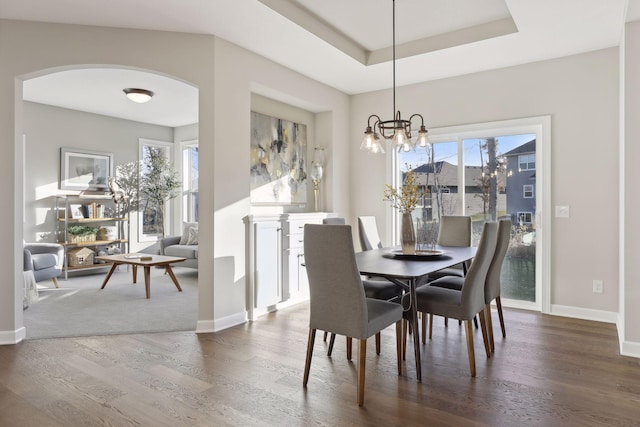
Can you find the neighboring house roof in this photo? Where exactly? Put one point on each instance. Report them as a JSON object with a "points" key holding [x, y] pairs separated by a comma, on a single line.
{"points": [[447, 174], [527, 147]]}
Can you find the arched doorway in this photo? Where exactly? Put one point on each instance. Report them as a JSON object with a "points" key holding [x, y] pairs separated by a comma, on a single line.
{"points": [[86, 109]]}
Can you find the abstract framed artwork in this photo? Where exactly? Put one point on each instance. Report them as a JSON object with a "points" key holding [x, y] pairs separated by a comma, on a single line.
{"points": [[278, 161], [84, 169]]}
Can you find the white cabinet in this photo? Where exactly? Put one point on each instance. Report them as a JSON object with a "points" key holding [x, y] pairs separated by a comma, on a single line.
{"points": [[268, 291], [275, 271]]}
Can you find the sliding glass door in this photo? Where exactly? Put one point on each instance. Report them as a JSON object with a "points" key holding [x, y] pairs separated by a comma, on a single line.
{"points": [[488, 174]]}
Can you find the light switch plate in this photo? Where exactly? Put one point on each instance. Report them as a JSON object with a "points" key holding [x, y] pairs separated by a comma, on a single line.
{"points": [[562, 212]]}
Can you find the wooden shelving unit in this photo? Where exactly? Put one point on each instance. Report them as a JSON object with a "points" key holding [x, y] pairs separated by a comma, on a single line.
{"points": [[119, 220]]}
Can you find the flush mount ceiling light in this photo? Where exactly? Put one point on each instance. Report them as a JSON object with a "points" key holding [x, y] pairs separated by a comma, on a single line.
{"points": [[138, 95], [401, 136]]}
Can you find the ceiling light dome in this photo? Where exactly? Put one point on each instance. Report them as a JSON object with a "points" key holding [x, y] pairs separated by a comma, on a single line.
{"points": [[138, 95]]}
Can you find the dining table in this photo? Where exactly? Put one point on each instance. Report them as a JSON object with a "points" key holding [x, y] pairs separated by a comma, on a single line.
{"points": [[406, 270]]}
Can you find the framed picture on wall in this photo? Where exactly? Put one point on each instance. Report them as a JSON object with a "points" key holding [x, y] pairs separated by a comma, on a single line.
{"points": [[278, 161], [85, 169]]}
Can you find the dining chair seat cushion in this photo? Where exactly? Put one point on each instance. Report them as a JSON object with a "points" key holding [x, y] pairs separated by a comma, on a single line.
{"points": [[449, 282], [451, 271], [445, 302], [381, 289]]}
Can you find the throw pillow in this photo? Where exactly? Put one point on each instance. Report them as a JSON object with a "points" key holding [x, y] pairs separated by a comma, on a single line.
{"points": [[193, 236], [185, 231]]}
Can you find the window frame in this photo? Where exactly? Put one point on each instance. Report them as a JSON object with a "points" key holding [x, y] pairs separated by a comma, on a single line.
{"points": [[168, 146], [187, 194], [531, 190], [541, 127], [521, 213], [527, 162]]}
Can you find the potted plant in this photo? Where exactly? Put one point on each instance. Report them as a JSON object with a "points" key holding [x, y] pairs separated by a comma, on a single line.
{"points": [[82, 233], [405, 199]]}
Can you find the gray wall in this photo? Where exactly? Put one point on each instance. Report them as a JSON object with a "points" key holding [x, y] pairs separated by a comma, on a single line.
{"points": [[47, 129], [580, 93]]}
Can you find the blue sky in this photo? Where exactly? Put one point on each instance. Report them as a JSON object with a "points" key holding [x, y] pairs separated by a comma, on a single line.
{"points": [[448, 151]]}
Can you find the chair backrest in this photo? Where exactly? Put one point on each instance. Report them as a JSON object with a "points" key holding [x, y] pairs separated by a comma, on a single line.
{"points": [[337, 299], [455, 230], [333, 221], [473, 288], [368, 233], [492, 285]]}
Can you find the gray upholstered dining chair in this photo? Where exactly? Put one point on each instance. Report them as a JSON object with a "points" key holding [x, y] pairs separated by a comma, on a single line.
{"points": [[454, 230], [337, 300], [377, 288], [442, 297], [368, 233], [492, 285]]}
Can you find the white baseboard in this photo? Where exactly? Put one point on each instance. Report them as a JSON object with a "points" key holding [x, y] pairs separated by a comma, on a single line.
{"points": [[215, 325], [630, 348], [584, 313], [12, 337]]}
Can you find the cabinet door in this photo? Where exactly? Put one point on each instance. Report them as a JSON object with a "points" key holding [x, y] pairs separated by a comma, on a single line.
{"points": [[267, 256]]}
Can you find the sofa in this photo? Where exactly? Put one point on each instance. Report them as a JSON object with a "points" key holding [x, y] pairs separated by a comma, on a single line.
{"points": [[185, 245]]}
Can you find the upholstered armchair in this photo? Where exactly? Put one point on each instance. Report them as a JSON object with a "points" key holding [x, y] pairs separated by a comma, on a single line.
{"points": [[45, 260]]}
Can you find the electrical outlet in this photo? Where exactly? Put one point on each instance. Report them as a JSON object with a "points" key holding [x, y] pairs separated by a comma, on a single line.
{"points": [[598, 286]]}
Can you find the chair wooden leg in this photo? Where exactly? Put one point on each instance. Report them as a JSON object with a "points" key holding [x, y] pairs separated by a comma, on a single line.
{"points": [[55, 282], [378, 343], [332, 341], [349, 340], [324, 338], [499, 306], [485, 339], [424, 328], [399, 329], [487, 313], [307, 365], [470, 351], [430, 325], [405, 328], [362, 357]]}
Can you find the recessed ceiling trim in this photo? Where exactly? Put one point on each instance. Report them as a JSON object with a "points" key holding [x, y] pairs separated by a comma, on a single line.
{"points": [[325, 31], [461, 37]]}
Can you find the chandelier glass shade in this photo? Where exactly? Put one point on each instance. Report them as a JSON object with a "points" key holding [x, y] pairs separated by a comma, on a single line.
{"points": [[398, 130]]}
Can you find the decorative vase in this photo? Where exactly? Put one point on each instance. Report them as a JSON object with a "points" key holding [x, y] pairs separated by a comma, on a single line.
{"points": [[408, 234]]}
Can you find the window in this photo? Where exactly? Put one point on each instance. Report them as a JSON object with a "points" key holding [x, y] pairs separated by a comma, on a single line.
{"points": [[525, 218], [526, 162], [190, 181], [151, 217], [527, 191]]}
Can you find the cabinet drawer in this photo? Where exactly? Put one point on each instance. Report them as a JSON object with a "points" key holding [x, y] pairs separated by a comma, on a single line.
{"points": [[297, 226], [294, 232]]}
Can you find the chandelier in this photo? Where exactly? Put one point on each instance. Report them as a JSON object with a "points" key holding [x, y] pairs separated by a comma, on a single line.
{"points": [[398, 130]]}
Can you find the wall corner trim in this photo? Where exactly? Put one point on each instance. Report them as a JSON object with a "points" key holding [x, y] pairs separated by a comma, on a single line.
{"points": [[207, 326], [13, 337]]}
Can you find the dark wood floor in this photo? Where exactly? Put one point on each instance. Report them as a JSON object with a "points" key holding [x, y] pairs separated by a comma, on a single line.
{"points": [[550, 371]]}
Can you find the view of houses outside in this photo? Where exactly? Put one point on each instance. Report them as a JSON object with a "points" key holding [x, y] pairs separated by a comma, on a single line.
{"points": [[499, 182]]}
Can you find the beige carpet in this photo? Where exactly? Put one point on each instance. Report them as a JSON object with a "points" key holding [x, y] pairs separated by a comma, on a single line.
{"points": [[80, 308]]}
